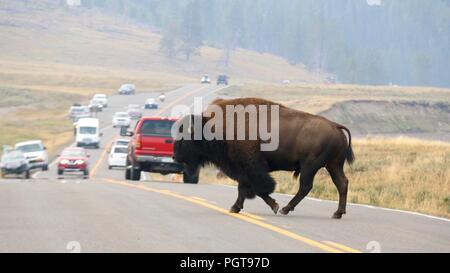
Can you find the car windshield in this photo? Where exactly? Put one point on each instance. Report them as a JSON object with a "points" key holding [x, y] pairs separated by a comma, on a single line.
{"points": [[13, 156], [78, 109], [121, 150], [122, 142], [88, 130], [157, 128], [127, 86], [122, 115], [29, 148], [95, 102], [73, 153]]}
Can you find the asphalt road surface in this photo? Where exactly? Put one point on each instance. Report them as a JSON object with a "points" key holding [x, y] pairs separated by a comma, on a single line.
{"points": [[108, 214]]}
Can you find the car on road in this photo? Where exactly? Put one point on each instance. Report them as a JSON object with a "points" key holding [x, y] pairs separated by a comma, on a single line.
{"points": [[95, 105], [134, 111], [119, 142], [35, 152], [151, 150], [121, 119], [222, 79], [118, 156], [127, 89], [73, 160], [162, 97], [77, 110], [15, 163], [151, 104], [88, 133], [102, 98], [205, 79]]}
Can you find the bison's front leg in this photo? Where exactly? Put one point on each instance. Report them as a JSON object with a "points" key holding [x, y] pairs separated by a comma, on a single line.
{"points": [[271, 202], [239, 204]]}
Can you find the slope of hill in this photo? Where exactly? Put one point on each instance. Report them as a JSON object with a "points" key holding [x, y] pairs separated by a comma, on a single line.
{"points": [[89, 49]]}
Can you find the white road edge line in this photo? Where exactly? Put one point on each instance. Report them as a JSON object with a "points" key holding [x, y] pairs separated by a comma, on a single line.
{"points": [[361, 205]]}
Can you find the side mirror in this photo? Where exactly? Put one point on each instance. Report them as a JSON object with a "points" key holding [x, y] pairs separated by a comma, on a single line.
{"points": [[130, 134], [45, 148], [101, 134]]}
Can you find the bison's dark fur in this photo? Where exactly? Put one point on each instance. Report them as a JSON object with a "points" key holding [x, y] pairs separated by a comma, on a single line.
{"points": [[307, 144]]}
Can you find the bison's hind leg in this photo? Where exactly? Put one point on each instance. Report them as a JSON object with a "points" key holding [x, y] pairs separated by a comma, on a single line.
{"points": [[307, 175], [336, 171]]}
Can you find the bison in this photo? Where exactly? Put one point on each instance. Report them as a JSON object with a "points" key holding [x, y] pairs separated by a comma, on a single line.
{"points": [[307, 143]]}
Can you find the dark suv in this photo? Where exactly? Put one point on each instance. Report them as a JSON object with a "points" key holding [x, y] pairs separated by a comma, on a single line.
{"points": [[151, 150], [222, 79]]}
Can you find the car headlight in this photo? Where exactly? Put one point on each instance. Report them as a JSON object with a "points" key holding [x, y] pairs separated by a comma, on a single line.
{"points": [[64, 161], [79, 162]]}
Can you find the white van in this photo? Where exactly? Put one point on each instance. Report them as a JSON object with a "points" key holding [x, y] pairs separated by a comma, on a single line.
{"points": [[88, 133]]}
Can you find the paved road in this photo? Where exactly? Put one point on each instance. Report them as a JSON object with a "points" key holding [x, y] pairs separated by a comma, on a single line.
{"points": [[108, 214]]}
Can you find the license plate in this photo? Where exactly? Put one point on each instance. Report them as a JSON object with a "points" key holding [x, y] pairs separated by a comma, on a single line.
{"points": [[167, 160]]}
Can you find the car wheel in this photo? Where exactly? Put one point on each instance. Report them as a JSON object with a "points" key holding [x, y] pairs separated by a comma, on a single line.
{"points": [[135, 174], [27, 174], [86, 174], [45, 168], [109, 167], [60, 172], [128, 173], [191, 178]]}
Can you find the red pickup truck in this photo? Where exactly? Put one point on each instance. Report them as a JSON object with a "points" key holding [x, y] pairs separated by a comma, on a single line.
{"points": [[151, 150]]}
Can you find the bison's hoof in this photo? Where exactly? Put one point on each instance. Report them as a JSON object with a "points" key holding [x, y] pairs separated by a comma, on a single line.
{"points": [[275, 208], [337, 215], [235, 209], [285, 210]]}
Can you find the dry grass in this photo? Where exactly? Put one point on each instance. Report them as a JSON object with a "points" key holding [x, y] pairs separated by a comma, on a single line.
{"points": [[400, 173]]}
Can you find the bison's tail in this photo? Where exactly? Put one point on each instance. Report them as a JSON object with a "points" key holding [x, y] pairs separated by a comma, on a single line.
{"points": [[350, 154]]}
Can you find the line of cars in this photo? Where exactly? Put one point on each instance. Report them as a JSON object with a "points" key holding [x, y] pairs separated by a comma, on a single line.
{"points": [[222, 79], [24, 157]]}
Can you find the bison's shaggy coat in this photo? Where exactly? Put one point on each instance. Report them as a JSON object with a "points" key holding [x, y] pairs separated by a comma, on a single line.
{"points": [[307, 144]]}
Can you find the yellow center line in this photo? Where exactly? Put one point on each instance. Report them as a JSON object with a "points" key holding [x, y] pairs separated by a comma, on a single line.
{"points": [[243, 217], [254, 216], [100, 159], [199, 198], [342, 247]]}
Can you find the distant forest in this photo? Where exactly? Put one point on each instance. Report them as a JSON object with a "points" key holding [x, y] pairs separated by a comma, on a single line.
{"points": [[404, 42]]}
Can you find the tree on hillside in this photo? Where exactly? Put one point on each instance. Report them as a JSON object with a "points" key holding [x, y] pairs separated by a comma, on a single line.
{"points": [[168, 45], [191, 30], [232, 34]]}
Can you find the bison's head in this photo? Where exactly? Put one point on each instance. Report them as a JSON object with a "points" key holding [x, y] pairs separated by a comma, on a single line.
{"points": [[187, 150]]}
